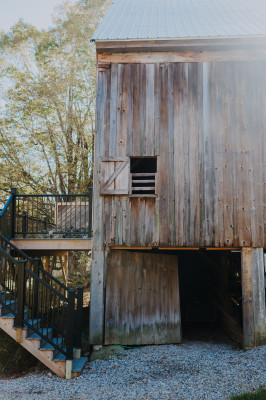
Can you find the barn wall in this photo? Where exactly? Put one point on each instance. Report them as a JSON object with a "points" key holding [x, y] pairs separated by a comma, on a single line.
{"points": [[142, 299], [206, 123]]}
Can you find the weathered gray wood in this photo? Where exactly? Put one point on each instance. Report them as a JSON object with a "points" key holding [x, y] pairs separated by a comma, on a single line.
{"points": [[114, 175], [209, 135], [206, 124], [259, 296], [142, 299], [247, 298], [253, 297], [98, 259]]}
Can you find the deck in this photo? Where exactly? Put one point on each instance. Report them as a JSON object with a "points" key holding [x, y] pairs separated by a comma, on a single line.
{"points": [[48, 223]]}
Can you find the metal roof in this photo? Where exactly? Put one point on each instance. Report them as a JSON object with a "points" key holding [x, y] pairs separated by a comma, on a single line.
{"points": [[169, 19]]}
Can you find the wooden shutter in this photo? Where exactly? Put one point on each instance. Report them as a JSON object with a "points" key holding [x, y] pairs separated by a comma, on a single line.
{"points": [[115, 176]]}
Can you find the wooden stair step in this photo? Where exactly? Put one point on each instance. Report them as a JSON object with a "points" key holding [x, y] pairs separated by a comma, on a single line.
{"points": [[48, 346], [45, 331], [8, 316], [78, 364], [59, 357]]}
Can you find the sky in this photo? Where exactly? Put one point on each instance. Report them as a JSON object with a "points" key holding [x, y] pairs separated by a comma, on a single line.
{"points": [[35, 12]]}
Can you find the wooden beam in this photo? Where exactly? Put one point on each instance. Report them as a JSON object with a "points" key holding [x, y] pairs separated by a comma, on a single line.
{"points": [[171, 44], [185, 56], [253, 295], [176, 248], [130, 248], [259, 296], [224, 248], [42, 253], [53, 244], [247, 298]]}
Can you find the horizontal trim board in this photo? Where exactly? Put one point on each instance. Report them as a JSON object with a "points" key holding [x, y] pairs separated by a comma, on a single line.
{"points": [[183, 42], [175, 248], [168, 57], [53, 244], [129, 248]]}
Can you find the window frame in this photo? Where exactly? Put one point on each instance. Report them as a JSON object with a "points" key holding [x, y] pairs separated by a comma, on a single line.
{"points": [[143, 195]]}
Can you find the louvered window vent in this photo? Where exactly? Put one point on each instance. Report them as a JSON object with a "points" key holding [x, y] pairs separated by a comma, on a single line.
{"points": [[143, 175]]}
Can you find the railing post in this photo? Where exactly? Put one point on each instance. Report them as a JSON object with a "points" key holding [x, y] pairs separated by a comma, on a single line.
{"points": [[13, 212], [20, 294], [79, 317], [70, 324], [90, 213], [45, 224], [24, 223], [35, 288]]}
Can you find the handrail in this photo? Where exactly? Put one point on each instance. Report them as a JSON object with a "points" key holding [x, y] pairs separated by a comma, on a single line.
{"points": [[6, 254], [37, 215], [53, 215], [14, 247], [34, 298], [35, 276], [32, 293], [52, 195], [7, 204]]}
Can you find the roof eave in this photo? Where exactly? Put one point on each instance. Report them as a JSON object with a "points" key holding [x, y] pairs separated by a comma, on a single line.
{"points": [[164, 44]]}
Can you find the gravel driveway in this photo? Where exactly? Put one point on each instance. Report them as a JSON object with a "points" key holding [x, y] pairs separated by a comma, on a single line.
{"points": [[192, 370]]}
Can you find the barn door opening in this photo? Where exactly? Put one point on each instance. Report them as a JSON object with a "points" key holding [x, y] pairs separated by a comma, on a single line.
{"points": [[142, 298], [210, 295]]}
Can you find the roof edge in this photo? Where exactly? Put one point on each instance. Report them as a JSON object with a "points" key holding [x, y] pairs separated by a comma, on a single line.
{"points": [[155, 44]]}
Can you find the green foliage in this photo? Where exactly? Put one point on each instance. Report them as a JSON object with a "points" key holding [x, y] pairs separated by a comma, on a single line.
{"points": [[258, 395], [47, 86]]}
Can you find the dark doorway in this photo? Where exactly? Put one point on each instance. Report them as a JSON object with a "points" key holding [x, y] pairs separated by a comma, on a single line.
{"points": [[210, 295]]}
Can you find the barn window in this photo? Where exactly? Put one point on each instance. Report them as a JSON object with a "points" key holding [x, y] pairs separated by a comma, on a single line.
{"points": [[143, 171]]}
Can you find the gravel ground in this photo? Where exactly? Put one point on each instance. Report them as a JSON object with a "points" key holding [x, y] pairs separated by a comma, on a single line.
{"points": [[192, 370]]}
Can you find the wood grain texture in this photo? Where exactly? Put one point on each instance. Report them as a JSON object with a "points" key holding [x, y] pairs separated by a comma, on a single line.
{"points": [[142, 299], [206, 123], [247, 298], [185, 56]]}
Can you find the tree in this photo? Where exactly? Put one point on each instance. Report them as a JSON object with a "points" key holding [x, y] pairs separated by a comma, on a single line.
{"points": [[47, 81]]}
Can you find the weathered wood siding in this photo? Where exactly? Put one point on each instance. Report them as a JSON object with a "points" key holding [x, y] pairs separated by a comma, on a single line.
{"points": [[206, 122], [142, 299]]}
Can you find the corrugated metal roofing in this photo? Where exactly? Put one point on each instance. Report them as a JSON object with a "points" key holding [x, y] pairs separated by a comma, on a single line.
{"points": [[169, 19]]}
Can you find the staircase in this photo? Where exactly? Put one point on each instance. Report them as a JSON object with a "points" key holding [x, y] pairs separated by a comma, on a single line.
{"points": [[37, 310]]}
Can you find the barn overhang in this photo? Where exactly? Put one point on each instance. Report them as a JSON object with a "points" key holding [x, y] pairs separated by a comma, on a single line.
{"points": [[181, 50]]}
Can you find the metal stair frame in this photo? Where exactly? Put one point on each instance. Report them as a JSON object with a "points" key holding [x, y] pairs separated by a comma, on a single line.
{"points": [[24, 319]]}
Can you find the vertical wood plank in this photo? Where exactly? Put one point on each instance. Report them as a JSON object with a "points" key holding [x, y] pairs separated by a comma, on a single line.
{"points": [[247, 298], [259, 296], [138, 285]]}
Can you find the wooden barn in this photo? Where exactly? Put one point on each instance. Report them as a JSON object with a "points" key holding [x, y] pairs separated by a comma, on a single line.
{"points": [[179, 233]]}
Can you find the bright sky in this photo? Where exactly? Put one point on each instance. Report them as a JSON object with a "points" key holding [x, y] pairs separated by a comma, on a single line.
{"points": [[35, 12]]}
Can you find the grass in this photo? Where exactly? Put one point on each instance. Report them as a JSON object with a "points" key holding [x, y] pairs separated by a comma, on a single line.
{"points": [[260, 394]]}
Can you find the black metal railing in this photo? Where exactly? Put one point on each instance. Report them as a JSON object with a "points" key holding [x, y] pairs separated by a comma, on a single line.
{"points": [[52, 216], [39, 301]]}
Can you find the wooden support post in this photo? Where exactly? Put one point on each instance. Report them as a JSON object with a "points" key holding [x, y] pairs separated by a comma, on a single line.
{"points": [[259, 297], [68, 369], [64, 267], [247, 298], [253, 297], [97, 298], [70, 327], [19, 332], [98, 251]]}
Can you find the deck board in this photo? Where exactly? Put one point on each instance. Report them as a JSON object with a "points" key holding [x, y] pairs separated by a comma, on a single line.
{"points": [[53, 244]]}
